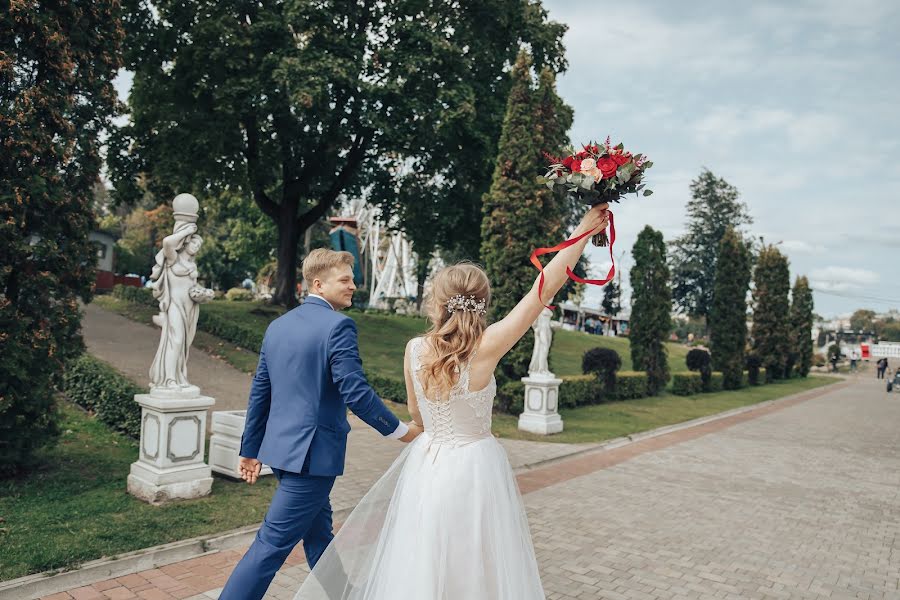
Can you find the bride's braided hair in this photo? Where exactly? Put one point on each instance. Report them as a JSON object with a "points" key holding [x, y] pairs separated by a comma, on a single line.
{"points": [[455, 331]]}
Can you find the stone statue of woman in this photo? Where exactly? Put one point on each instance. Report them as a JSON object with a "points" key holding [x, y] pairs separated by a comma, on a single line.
{"points": [[543, 335], [174, 278]]}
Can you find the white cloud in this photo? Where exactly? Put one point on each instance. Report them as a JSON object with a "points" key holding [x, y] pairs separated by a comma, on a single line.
{"points": [[839, 279], [802, 247]]}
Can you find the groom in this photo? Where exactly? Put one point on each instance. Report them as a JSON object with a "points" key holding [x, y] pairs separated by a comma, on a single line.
{"points": [[309, 371]]}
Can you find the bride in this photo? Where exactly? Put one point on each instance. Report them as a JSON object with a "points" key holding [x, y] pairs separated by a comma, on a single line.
{"points": [[446, 521]]}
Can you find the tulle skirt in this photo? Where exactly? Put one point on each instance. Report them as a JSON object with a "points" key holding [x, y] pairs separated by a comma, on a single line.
{"points": [[443, 523]]}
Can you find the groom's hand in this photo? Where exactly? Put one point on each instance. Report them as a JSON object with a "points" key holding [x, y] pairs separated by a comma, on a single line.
{"points": [[249, 469]]}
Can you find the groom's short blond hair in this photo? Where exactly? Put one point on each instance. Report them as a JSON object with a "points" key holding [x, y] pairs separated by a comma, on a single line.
{"points": [[321, 260]]}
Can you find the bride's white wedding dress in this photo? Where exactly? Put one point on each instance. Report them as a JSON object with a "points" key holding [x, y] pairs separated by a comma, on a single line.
{"points": [[445, 522]]}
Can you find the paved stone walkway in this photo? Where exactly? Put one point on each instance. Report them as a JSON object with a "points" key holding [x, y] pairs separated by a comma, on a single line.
{"points": [[795, 500]]}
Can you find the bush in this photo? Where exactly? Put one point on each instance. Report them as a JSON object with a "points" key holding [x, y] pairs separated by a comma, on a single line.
{"points": [[388, 388], [819, 359], [97, 387], [245, 336], [135, 294], [631, 385], [510, 398], [716, 382], [239, 295], [699, 360], [582, 390], [753, 363], [603, 362], [687, 384]]}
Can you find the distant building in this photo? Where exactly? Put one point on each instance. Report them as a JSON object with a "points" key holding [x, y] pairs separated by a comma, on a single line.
{"points": [[592, 320]]}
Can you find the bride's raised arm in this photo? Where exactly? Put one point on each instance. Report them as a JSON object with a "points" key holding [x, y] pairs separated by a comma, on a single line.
{"points": [[501, 336]]}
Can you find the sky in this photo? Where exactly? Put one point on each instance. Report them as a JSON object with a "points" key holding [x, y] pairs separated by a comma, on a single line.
{"points": [[794, 103]]}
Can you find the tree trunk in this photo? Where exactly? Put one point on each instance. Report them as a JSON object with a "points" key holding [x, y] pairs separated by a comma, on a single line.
{"points": [[421, 276], [286, 274]]}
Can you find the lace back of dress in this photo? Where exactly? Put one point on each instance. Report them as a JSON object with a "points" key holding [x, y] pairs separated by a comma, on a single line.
{"points": [[463, 413]]}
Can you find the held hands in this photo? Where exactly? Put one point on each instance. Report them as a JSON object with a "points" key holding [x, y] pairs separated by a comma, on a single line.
{"points": [[249, 469], [596, 219], [414, 431]]}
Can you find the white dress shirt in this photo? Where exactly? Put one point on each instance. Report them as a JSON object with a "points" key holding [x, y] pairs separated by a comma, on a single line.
{"points": [[402, 428]]}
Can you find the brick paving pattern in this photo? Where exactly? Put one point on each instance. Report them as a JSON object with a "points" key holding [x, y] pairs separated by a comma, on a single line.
{"points": [[797, 500]]}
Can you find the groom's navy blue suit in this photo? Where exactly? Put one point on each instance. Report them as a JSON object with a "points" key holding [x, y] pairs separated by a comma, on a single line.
{"points": [[309, 372]]}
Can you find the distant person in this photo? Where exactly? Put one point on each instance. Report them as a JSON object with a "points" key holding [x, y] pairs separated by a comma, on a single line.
{"points": [[881, 367], [854, 358]]}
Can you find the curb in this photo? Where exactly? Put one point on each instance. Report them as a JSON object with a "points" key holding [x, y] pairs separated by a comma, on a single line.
{"points": [[50, 582]]}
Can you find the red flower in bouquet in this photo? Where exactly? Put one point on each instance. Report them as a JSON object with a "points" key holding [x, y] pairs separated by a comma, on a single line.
{"points": [[599, 173]]}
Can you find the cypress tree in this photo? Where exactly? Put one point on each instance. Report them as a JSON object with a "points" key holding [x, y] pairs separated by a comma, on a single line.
{"points": [[651, 302], [518, 214], [771, 322], [801, 319], [728, 313]]}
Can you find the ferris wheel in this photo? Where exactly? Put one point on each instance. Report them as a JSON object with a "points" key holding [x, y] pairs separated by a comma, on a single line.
{"points": [[387, 256]]}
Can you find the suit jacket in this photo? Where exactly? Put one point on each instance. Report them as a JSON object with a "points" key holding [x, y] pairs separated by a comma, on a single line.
{"points": [[309, 373]]}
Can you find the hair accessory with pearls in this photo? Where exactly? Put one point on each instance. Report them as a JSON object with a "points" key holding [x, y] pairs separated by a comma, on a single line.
{"points": [[466, 304]]}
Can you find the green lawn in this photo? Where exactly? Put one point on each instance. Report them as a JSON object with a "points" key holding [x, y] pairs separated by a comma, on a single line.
{"points": [[615, 419], [382, 338], [74, 507]]}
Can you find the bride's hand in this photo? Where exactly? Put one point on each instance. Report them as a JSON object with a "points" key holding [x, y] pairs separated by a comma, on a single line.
{"points": [[596, 219]]}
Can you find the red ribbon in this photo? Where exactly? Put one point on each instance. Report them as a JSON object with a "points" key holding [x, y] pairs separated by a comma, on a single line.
{"points": [[541, 251]]}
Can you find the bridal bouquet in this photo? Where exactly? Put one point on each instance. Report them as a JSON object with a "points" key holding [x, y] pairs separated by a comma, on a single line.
{"points": [[599, 173]]}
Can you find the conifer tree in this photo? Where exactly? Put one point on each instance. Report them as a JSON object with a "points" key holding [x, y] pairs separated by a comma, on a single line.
{"points": [[728, 314], [651, 303], [801, 348], [518, 214], [771, 322]]}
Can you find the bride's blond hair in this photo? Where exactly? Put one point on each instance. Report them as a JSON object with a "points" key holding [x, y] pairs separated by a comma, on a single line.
{"points": [[453, 337]]}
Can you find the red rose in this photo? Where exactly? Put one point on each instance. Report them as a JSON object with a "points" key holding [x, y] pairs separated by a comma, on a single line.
{"points": [[582, 155], [576, 166], [621, 159], [567, 163], [607, 167]]}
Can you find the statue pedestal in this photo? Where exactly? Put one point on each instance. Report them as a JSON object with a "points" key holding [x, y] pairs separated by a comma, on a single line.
{"points": [[541, 402], [173, 439], [225, 443]]}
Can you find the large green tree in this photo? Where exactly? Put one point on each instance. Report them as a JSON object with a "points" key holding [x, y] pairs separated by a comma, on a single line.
{"points": [[801, 321], [714, 207], [862, 320], [771, 322], [728, 313], [299, 103], [57, 62], [520, 215], [651, 305]]}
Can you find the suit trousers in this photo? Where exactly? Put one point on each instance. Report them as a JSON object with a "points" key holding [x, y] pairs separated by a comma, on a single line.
{"points": [[300, 509]]}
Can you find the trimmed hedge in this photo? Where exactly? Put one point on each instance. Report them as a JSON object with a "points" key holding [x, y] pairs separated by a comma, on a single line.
{"points": [[97, 387], [716, 382], [581, 390], [631, 385], [687, 384], [135, 294], [388, 388], [235, 332], [239, 295]]}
